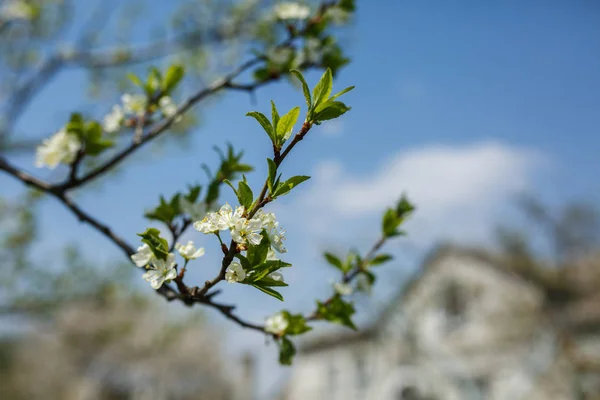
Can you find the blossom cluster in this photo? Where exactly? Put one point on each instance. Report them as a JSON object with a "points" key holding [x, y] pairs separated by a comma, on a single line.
{"points": [[291, 11], [62, 147], [135, 105], [161, 271], [242, 229]]}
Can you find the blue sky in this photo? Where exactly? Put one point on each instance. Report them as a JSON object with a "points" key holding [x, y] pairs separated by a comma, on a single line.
{"points": [[462, 105]]}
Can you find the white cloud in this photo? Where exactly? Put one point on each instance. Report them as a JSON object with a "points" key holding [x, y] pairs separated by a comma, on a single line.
{"points": [[458, 189], [334, 127]]}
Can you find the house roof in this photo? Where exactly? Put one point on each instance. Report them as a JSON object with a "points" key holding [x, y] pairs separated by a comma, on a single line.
{"points": [[578, 315]]}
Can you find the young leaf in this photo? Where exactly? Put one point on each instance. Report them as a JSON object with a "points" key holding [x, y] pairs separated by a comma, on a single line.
{"points": [[335, 96], [94, 143], [337, 311], [305, 88], [287, 351], [228, 183], [135, 80], [172, 78], [274, 116], [258, 254], [380, 259], [264, 122], [331, 110], [154, 81], [291, 183], [244, 194], [268, 291], [335, 261], [322, 90], [272, 174], [158, 245], [286, 124], [390, 223], [296, 324]]}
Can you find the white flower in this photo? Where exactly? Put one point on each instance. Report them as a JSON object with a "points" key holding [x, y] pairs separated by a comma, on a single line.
{"points": [[276, 276], [168, 107], [275, 234], [196, 211], [112, 121], [143, 256], [229, 218], [62, 147], [271, 255], [247, 230], [235, 273], [343, 289], [290, 10], [161, 271], [134, 103], [16, 9], [189, 251], [276, 324], [209, 224]]}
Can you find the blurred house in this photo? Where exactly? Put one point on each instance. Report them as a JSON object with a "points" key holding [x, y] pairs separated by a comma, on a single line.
{"points": [[468, 327]]}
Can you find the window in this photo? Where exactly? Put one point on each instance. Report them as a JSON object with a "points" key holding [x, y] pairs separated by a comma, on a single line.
{"points": [[362, 375], [455, 305]]}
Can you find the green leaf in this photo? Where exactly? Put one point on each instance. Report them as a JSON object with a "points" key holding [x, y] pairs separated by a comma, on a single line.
{"points": [[322, 90], [193, 194], [305, 88], [272, 174], [165, 211], [404, 208], [265, 268], [264, 122], [274, 116], [135, 80], [76, 126], [296, 324], [337, 311], [287, 351], [290, 184], [335, 96], [390, 223], [258, 254], [228, 183], [268, 291], [286, 124], [173, 76], [158, 245], [94, 143], [380, 259], [335, 261], [154, 81], [245, 195], [266, 281], [331, 110]]}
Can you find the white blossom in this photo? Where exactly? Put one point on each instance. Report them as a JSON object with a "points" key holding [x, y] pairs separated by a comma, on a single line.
{"points": [[229, 218], [161, 271], [196, 211], [343, 289], [62, 147], [291, 10], [168, 107], [143, 256], [16, 9], [134, 103], [247, 230], [276, 324], [271, 255], [235, 273], [189, 251], [276, 276], [112, 121], [275, 234], [209, 224]]}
